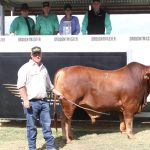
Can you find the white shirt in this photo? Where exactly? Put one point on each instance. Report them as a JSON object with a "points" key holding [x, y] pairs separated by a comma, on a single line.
{"points": [[36, 80]]}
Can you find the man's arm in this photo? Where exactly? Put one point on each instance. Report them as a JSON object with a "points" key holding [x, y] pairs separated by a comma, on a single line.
{"points": [[108, 24], [37, 26], [56, 25], [61, 27], [77, 25], [23, 93], [13, 27], [57, 93], [85, 24]]}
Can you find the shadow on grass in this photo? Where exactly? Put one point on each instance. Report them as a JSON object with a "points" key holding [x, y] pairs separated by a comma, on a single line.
{"points": [[82, 128], [58, 142], [78, 134], [42, 148]]}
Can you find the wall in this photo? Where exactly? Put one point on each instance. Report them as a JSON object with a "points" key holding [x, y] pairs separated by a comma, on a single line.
{"points": [[60, 51]]}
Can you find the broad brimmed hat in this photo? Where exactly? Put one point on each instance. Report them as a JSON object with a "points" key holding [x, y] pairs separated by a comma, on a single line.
{"points": [[96, 0], [24, 6], [67, 6], [46, 4], [36, 49]]}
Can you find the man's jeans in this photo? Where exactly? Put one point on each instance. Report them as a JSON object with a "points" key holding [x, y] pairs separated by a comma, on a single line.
{"points": [[39, 110]]}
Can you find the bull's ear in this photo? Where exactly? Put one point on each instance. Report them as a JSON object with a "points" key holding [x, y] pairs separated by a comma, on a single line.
{"points": [[147, 76]]}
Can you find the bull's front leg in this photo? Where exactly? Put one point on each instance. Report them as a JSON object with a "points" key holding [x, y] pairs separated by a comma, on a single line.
{"points": [[128, 117]]}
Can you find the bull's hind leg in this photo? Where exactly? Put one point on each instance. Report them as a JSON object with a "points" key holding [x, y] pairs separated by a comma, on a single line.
{"points": [[66, 128], [63, 118], [68, 131], [128, 117], [122, 123]]}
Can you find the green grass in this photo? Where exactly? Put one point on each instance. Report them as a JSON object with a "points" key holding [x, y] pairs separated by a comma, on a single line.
{"points": [[102, 136]]}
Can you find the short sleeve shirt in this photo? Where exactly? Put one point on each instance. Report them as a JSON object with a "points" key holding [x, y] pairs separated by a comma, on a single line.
{"points": [[19, 26], [47, 25]]}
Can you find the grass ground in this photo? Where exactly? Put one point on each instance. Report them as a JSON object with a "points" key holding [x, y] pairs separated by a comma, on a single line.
{"points": [[101, 136]]}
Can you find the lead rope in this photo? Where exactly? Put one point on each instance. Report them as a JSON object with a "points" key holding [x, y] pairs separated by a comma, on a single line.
{"points": [[87, 108]]}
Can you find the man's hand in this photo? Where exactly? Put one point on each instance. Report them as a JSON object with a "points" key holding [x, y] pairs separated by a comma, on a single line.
{"points": [[58, 94], [26, 104], [23, 93], [61, 97]]}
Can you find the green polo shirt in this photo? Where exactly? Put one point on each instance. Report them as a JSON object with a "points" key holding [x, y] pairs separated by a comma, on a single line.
{"points": [[19, 26], [47, 25]]}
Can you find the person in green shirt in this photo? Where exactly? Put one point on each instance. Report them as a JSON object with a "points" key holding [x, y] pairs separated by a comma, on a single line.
{"points": [[96, 21], [22, 25], [47, 23]]}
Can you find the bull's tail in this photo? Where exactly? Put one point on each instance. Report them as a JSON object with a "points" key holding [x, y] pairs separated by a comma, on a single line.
{"points": [[55, 97], [55, 113], [54, 104]]}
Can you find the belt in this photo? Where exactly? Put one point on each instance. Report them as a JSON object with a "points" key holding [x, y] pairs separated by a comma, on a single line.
{"points": [[41, 99]]}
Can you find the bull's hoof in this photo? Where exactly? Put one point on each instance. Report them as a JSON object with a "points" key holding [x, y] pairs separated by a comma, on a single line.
{"points": [[131, 136], [68, 141], [123, 132]]}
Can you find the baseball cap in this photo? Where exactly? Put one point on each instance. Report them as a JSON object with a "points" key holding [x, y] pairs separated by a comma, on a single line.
{"points": [[24, 6], [36, 49], [46, 4]]}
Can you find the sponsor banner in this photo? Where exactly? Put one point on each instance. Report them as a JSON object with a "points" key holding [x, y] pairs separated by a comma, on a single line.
{"points": [[137, 47]]}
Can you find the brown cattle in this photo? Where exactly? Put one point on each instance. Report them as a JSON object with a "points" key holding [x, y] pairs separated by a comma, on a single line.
{"points": [[124, 90]]}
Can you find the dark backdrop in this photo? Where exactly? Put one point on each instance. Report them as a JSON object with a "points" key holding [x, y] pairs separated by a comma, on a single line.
{"points": [[10, 106]]}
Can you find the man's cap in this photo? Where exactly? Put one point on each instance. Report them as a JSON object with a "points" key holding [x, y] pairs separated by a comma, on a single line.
{"points": [[24, 6], [36, 49], [46, 4], [96, 0], [67, 6]]}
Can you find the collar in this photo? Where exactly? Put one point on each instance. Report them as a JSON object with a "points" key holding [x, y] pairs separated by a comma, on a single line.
{"points": [[68, 19], [34, 63]]}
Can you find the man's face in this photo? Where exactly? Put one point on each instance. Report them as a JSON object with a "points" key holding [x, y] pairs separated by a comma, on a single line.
{"points": [[36, 57], [25, 13], [96, 5], [68, 12], [46, 9]]}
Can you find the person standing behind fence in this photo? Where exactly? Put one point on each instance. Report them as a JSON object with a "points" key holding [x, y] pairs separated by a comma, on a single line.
{"points": [[47, 23], [69, 24], [22, 25], [97, 20], [33, 84]]}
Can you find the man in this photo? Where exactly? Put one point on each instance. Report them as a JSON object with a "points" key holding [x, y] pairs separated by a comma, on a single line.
{"points": [[96, 20], [47, 23], [33, 84], [22, 25], [69, 24]]}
